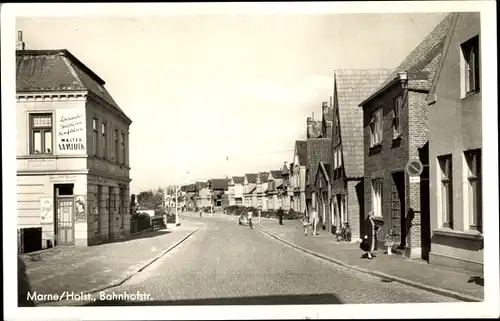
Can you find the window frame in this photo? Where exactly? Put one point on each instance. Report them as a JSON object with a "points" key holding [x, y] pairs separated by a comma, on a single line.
{"points": [[95, 136], [446, 186], [377, 185], [116, 152], [397, 117], [104, 139], [99, 203], [122, 147], [376, 129], [474, 167], [43, 130], [471, 55]]}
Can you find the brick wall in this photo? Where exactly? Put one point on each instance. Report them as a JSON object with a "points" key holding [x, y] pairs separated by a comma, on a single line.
{"points": [[355, 207]]}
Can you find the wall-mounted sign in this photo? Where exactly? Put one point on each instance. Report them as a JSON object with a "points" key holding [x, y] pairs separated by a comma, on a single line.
{"points": [[414, 167], [80, 206], [46, 210], [62, 178], [71, 133]]}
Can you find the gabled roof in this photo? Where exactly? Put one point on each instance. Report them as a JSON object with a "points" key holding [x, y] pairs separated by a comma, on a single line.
{"points": [[424, 58], [263, 176], [284, 170], [251, 178], [201, 185], [453, 22], [58, 70], [191, 188], [238, 180], [276, 174], [323, 169], [219, 184], [351, 86], [252, 187], [301, 151], [318, 149]]}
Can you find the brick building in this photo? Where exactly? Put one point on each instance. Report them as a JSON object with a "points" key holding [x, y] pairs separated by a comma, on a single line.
{"points": [[72, 151], [323, 192], [347, 162], [455, 143], [298, 176], [395, 131]]}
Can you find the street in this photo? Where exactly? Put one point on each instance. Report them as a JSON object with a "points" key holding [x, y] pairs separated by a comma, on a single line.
{"points": [[227, 264]]}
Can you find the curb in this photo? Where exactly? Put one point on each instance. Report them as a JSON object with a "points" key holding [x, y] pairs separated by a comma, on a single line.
{"points": [[421, 286], [119, 282]]}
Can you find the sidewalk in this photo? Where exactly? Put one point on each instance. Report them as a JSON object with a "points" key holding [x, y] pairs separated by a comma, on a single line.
{"points": [[439, 279], [90, 269]]}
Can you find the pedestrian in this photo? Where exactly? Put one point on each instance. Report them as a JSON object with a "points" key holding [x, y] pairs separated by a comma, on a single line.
{"points": [[305, 223], [365, 246], [280, 216], [249, 216], [314, 221]]}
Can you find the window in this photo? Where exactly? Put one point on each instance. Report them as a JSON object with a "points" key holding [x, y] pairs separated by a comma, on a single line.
{"points": [[470, 52], [396, 121], [98, 209], [116, 149], [112, 199], [376, 128], [376, 197], [446, 166], [475, 190], [104, 140], [94, 136], [122, 141], [123, 205], [41, 134]]}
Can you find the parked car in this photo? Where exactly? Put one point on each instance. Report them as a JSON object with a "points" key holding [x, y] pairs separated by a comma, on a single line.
{"points": [[243, 220]]}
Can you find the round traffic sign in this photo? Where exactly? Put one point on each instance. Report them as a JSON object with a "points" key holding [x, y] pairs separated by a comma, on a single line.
{"points": [[414, 167]]}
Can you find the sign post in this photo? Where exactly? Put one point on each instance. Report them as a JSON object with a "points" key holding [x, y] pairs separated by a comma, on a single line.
{"points": [[414, 168]]}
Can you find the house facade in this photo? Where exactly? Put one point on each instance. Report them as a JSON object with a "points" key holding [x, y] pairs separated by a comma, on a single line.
{"points": [[218, 188], [203, 198], [298, 176], [323, 195], [313, 137], [274, 182], [235, 191], [262, 187], [250, 190], [395, 131], [347, 158], [189, 197], [72, 151], [455, 149]]}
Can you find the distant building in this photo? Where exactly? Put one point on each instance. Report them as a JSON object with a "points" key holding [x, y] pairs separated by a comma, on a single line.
{"points": [[298, 176], [274, 182], [262, 187], [395, 120], [190, 196], [203, 196], [235, 190], [250, 190], [219, 188], [455, 148], [72, 151]]}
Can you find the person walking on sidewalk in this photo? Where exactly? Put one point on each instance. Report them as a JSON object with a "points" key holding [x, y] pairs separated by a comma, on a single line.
{"points": [[305, 223], [314, 221], [249, 216], [365, 246], [280, 216]]}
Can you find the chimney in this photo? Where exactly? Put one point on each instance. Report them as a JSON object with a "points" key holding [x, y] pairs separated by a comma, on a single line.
{"points": [[324, 107], [20, 44]]}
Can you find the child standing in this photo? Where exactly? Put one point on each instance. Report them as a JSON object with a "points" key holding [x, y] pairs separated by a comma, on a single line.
{"points": [[305, 224]]}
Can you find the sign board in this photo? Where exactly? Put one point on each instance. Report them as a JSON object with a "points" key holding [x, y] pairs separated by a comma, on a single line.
{"points": [[414, 179], [46, 210], [71, 133], [80, 205], [414, 167]]}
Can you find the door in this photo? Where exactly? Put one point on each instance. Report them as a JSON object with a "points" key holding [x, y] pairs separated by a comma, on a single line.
{"points": [[65, 221], [398, 209]]}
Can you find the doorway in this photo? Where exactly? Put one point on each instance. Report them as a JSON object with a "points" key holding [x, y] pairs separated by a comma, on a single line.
{"points": [[398, 209], [64, 228]]}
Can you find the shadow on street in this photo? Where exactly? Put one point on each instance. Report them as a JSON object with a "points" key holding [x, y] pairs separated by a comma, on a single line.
{"points": [[252, 300], [23, 285], [142, 235], [476, 280]]}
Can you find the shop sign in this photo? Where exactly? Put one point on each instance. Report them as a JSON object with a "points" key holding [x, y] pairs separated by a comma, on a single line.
{"points": [[71, 131]]}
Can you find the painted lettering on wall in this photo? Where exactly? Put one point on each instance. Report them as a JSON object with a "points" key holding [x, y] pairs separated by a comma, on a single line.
{"points": [[71, 131], [46, 210]]}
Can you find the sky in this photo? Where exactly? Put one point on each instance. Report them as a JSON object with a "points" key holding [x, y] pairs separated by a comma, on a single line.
{"points": [[217, 95]]}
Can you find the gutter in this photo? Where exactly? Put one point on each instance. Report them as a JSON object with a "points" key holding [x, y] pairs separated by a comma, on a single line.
{"points": [[401, 76]]}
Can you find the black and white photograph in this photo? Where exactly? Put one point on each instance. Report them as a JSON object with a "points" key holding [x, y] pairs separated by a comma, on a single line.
{"points": [[323, 160]]}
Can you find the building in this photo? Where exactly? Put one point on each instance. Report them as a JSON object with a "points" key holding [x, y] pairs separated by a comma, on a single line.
{"points": [[347, 159], [203, 198], [298, 176], [262, 186], [189, 197], [219, 188], [395, 131], [274, 182], [235, 191], [72, 151], [455, 143], [286, 188], [323, 192], [250, 190], [319, 147]]}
